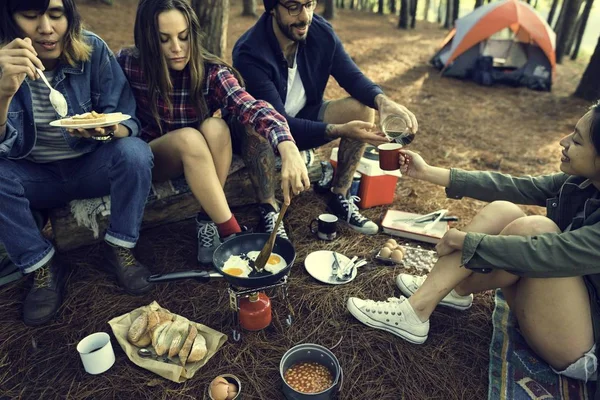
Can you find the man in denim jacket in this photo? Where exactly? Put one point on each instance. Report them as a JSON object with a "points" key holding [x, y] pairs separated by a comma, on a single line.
{"points": [[42, 166]]}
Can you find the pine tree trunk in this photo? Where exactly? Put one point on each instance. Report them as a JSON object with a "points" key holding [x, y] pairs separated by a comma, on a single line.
{"points": [[249, 8], [566, 29], [455, 10], [449, 14], [439, 12], [589, 86], [426, 10], [352, 4], [571, 40], [393, 7], [552, 12], [478, 3], [413, 13], [404, 14], [213, 16], [584, 20], [329, 12], [380, 7]]}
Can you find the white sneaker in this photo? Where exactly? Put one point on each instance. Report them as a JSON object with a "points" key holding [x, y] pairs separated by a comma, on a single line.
{"points": [[408, 285], [395, 315]]}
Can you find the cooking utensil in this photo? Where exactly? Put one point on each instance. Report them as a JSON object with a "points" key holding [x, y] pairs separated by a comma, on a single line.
{"points": [[430, 225], [343, 269], [147, 353], [241, 244], [263, 256], [335, 266], [423, 218], [58, 101]]}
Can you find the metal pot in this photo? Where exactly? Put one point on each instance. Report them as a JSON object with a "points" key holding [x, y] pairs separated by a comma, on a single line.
{"points": [[310, 352], [241, 244]]}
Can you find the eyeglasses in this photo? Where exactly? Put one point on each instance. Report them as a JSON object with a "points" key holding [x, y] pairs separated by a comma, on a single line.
{"points": [[294, 8]]}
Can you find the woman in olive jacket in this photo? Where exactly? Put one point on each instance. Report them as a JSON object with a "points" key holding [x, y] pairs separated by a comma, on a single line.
{"points": [[548, 267]]}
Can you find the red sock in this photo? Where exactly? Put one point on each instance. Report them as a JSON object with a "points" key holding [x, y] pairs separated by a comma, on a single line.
{"points": [[228, 227]]}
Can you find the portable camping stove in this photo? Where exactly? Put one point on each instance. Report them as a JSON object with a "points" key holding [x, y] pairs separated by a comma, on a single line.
{"points": [[238, 293]]}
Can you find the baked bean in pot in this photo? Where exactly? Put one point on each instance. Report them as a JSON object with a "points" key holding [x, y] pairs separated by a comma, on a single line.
{"points": [[308, 377]]}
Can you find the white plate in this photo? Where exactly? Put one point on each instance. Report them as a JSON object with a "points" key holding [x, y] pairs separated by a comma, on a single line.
{"points": [[111, 119], [318, 264]]}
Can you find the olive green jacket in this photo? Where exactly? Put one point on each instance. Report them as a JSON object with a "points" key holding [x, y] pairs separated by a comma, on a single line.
{"points": [[573, 252]]}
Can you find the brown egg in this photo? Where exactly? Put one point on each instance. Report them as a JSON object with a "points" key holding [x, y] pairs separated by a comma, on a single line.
{"points": [[397, 255], [219, 388], [233, 391], [385, 252], [389, 245], [392, 242]]}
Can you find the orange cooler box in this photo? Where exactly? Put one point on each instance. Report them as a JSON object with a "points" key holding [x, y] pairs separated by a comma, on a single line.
{"points": [[377, 187]]}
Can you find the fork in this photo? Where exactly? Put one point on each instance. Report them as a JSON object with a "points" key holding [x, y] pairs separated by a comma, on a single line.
{"points": [[58, 101]]}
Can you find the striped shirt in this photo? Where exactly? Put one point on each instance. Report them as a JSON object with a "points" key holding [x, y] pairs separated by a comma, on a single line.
{"points": [[221, 90], [50, 144]]}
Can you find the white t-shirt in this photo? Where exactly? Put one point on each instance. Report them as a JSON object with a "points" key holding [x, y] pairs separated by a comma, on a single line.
{"points": [[296, 95]]}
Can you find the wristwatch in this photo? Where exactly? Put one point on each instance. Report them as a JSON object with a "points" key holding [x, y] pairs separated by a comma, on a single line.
{"points": [[105, 138]]}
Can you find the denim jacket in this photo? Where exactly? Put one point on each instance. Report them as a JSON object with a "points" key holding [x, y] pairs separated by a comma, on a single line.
{"points": [[97, 84]]}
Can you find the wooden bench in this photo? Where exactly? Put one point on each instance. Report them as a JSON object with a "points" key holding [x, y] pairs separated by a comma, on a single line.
{"points": [[68, 234]]}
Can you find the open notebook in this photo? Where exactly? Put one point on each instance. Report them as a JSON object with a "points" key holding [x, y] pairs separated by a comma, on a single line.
{"points": [[400, 223]]}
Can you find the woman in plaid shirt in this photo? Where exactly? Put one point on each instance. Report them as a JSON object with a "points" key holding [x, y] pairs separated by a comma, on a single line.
{"points": [[178, 86]]}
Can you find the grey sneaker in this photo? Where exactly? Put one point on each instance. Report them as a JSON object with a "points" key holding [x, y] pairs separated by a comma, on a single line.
{"points": [[208, 240], [268, 217], [394, 315], [408, 284], [347, 211]]}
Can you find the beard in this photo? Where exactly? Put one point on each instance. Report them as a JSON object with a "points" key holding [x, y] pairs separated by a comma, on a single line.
{"points": [[288, 30]]}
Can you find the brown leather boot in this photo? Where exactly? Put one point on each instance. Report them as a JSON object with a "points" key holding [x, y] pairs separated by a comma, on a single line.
{"points": [[131, 274]]}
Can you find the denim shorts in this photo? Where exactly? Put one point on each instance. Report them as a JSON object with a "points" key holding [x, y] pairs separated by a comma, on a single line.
{"points": [[584, 369]]}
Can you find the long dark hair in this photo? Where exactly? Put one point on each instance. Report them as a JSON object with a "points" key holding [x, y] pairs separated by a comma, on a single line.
{"points": [[154, 64], [75, 49], [595, 126]]}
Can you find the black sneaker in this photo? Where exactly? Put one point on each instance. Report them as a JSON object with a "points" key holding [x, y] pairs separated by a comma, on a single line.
{"points": [[46, 296], [268, 217], [131, 274], [208, 240], [345, 209]]}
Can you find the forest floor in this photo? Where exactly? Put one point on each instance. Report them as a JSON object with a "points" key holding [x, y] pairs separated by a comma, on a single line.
{"points": [[461, 124]]}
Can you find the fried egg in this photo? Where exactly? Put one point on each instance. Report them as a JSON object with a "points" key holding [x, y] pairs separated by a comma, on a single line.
{"points": [[237, 266], [275, 263]]}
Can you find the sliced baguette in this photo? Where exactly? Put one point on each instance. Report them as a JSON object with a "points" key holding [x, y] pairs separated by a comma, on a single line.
{"points": [[138, 328], [166, 337], [144, 341], [181, 332], [187, 345], [198, 349], [158, 331]]}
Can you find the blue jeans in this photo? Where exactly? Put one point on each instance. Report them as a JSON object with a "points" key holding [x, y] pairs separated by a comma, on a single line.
{"points": [[121, 168]]}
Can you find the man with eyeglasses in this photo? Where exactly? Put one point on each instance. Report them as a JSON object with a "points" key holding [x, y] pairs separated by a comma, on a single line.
{"points": [[286, 59]]}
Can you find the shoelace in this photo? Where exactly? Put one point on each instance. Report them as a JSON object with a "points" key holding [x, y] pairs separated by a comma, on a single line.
{"points": [[271, 218], [207, 234], [42, 277], [385, 307], [352, 209], [127, 256]]}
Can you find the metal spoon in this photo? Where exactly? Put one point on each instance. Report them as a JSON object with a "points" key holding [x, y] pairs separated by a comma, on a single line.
{"points": [[56, 98], [147, 353]]}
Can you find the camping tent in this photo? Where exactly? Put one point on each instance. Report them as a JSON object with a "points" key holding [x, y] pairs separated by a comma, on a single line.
{"points": [[474, 50]]}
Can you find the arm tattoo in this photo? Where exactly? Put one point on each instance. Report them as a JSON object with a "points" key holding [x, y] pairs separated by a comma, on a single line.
{"points": [[260, 161], [349, 155], [329, 131]]}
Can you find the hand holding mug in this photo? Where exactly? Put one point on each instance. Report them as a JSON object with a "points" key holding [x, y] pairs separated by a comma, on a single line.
{"points": [[411, 164]]}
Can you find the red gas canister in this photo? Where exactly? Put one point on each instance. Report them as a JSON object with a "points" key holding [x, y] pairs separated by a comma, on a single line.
{"points": [[255, 312]]}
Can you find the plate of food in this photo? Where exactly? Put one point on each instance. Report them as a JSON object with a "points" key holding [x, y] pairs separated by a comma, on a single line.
{"points": [[319, 264], [90, 120]]}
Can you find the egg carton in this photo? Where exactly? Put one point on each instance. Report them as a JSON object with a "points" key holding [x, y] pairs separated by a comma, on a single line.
{"points": [[414, 258]]}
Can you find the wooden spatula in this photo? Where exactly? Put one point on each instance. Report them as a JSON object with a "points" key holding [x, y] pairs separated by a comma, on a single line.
{"points": [[265, 253]]}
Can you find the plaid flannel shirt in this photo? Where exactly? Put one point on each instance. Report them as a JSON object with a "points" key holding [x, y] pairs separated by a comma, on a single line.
{"points": [[221, 90]]}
